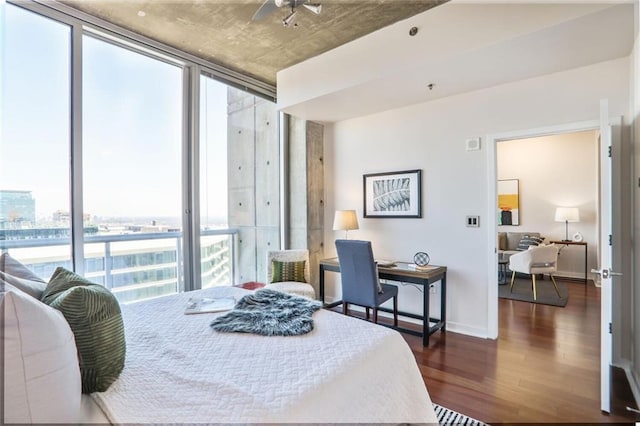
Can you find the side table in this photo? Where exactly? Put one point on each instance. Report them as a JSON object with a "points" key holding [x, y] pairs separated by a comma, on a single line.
{"points": [[502, 271], [576, 243]]}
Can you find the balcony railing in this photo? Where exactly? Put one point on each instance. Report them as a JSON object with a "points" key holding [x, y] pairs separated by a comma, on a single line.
{"points": [[134, 266]]}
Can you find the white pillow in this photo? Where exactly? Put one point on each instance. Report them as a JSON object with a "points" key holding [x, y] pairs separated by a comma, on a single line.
{"points": [[41, 370], [15, 273], [31, 287]]}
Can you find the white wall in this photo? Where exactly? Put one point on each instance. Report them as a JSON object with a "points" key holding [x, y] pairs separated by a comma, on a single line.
{"points": [[635, 105], [430, 136], [559, 170]]}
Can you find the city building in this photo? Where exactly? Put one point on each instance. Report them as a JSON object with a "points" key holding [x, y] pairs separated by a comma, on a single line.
{"points": [[17, 208]]}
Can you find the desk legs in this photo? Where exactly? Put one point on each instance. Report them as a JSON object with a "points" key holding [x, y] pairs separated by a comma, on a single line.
{"points": [[425, 319], [442, 321], [321, 285], [585, 265], [443, 302], [426, 326]]}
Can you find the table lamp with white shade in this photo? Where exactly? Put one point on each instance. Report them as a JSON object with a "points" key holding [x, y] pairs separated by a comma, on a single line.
{"points": [[345, 220], [566, 215]]}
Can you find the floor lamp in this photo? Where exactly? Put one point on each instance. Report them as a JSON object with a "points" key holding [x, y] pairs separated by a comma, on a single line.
{"points": [[345, 220], [566, 215]]}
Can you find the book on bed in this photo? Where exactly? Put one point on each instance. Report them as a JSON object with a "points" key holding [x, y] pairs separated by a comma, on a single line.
{"points": [[204, 305]]}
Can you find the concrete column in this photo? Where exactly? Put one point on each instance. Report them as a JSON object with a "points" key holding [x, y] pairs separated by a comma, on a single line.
{"points": [[306, 191], [254, 182], [253, 173]]}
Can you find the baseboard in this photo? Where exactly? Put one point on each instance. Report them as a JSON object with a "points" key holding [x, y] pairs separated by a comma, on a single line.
{"points": [[467, 330], [570, 275]]}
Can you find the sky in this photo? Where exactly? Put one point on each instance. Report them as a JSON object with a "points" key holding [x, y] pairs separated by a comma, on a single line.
{"points": [[132, 124]]}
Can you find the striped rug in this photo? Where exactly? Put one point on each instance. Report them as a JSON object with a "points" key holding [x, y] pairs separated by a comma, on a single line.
{"points": [[450, 417]]}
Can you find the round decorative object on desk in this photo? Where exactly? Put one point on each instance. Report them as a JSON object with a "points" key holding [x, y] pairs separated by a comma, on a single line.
{"points": [[421, 258], [577, 237]]}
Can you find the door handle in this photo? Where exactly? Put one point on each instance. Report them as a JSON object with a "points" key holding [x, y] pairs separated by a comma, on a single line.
{"points": [[606, 273]]}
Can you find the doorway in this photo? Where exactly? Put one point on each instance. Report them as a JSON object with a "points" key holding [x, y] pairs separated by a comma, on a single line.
{"points": [[620, 325], [540, 219], [554, 174]]}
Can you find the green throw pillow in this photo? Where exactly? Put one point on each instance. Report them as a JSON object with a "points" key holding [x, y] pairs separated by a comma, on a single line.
{"points": [[288, 271], [93, 313]]}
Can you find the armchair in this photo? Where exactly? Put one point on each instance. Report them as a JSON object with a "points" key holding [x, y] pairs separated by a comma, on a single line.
{"points": [[360, 284], [535, 260], [288, 272]]}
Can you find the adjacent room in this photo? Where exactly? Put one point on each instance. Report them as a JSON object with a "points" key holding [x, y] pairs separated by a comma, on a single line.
{"points": [[295, 211], [544, 198]]}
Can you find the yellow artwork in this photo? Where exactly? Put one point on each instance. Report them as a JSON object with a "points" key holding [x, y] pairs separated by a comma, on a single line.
{"points": [[508, 202]]}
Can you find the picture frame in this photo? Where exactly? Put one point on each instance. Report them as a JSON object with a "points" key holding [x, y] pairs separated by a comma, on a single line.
{"points": [[508, 202], [393, 194]]}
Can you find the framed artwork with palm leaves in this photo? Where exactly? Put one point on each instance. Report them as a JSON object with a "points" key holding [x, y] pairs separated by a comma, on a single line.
{"points": [[393, 194]]}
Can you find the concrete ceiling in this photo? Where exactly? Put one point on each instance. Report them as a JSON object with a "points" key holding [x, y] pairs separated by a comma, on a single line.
{"points": [[222, 31]]}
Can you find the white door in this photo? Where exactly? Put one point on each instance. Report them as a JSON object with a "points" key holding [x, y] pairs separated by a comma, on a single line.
{"points": [[606, 255]]}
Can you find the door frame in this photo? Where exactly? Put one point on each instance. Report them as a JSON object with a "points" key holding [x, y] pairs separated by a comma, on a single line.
{"points": [[492, 228]]}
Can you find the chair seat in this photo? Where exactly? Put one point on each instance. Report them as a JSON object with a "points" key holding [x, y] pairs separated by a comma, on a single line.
{"points": [[388, 292], [295, 288]]}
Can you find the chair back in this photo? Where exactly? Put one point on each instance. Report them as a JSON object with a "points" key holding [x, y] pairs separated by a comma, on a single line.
{"points": [[358, 272], [288, 256], [539, 259], [544, 257]]}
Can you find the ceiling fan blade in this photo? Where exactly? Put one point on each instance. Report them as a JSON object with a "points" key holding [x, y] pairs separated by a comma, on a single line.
{"points": [[314, 7], [267, 7]]}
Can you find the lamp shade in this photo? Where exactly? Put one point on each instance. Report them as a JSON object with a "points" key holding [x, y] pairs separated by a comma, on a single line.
{"points": [[345, 220], [567, 214]]}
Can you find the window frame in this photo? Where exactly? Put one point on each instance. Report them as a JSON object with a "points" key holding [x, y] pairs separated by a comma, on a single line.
{"points": [[82, 24]]}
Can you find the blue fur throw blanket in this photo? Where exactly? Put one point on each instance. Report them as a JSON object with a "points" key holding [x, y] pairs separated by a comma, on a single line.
{"points": [[269, 313]]}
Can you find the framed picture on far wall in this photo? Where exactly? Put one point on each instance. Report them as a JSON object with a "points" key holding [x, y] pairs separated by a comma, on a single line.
{"points": [[508, 202], [393, 194]]}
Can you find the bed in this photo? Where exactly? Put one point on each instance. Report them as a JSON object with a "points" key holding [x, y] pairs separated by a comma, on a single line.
{"points": [[178, 369]]}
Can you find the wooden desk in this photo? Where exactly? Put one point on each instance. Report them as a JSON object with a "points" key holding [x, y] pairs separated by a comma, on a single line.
{"points": [[576, 243], [403, 273]]}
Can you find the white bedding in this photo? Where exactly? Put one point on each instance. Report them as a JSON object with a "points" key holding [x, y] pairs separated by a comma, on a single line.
{"points": [[179, 370]]}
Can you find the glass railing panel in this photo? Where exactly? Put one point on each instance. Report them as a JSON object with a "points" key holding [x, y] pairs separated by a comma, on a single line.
{"points": [[216, 259], [136, 266], [42, 260]]}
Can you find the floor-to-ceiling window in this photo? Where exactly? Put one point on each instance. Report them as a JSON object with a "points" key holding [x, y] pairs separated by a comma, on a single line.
{"points": [[239, 182], [35, 138], [215, 250], [106, 183], [132, 188]]}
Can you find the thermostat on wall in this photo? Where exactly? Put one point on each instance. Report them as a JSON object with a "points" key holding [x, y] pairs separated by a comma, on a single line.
{"points": [[473, 144]]}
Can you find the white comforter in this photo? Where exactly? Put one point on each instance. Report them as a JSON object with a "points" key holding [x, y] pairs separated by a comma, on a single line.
{"points": [[179, 370]]}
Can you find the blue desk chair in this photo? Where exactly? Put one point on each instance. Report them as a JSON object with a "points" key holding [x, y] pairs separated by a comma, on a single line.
{"points": [[360, 283]]}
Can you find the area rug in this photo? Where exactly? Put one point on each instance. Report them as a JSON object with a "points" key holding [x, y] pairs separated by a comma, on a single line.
{"points": [[450, 417], [546, 294]]}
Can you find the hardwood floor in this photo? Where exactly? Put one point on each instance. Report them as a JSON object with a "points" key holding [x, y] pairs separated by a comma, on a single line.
{"points": [[544, 367]]}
